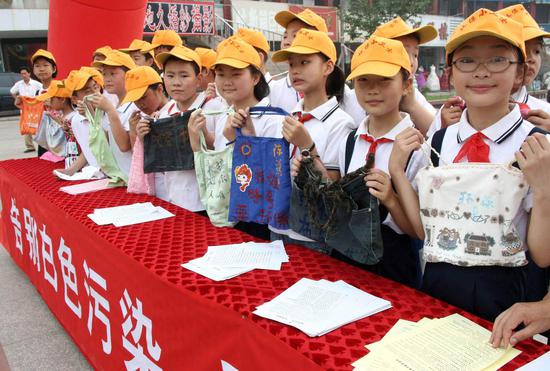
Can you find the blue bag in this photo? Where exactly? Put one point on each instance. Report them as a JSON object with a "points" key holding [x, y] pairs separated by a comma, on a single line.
{"points": [[260, 181]]}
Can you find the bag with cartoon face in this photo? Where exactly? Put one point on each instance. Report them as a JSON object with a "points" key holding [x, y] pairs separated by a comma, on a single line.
{"points": [[260, 181]]}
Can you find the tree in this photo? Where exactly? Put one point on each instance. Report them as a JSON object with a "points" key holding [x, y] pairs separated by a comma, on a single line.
{"points": [[363, 16]]}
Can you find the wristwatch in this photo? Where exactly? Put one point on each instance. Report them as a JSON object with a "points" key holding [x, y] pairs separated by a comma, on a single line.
{"points": [[307, 151]]}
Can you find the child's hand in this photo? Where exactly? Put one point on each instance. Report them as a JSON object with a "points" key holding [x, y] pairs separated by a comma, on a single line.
{"points": [[451, 111], [100, 101], [407, 141], [295, 165], [534, 161], [380, 186], [211, 91], [241, 119], [296, 133], [133, 121], [143, 128], [539, 118], [196, 124]]}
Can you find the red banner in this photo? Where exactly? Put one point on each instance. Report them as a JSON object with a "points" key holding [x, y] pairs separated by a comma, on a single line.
{"points": [[329, 14], [184, 17]]}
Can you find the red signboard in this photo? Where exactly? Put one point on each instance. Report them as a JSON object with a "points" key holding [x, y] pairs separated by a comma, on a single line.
{"points": [[328, 13], [184, 17]]}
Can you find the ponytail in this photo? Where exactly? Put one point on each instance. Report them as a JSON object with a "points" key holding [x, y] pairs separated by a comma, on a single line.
{"points": [[335, 82]]}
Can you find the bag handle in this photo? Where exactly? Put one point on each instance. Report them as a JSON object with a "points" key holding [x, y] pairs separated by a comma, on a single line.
{"points": [[96, 118], [202, 141], [269, 110]]}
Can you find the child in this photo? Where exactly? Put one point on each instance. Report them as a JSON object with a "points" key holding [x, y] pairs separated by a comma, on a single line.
{"points": [[181, 68], [163, 41], [259, 42], [100, 54], [44, 69], [137, 50], [421, 111], [208, 58], [538, 110], [116, 119], [320, 123], [486, 54], [381, 71]]}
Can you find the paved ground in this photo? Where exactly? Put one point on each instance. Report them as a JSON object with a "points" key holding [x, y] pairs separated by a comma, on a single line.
{"points": [[30, 336]]}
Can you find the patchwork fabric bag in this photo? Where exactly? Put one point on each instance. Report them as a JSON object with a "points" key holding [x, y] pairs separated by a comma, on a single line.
{"points": [[167, 146], [260, 181], [213, 169], [467, 211], [51, 136]]}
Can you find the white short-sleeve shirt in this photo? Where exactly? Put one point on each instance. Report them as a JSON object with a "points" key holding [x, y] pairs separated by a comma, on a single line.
{"points": [[30, 89], [123, 159], [81, 130]]}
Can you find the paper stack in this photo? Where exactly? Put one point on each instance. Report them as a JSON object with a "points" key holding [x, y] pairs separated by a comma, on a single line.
{"points": [[121, 216], [450, 343], [94, 186], [227, 261], [318, 307], [87, 172]]}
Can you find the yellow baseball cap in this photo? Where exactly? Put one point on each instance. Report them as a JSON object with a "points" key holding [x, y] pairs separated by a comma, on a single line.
{"points": [[41, 53], [138, 45], [308, 42], [207, 56], [485, 22], [397, 27], [307, 16], [254, 38], [76, 80], [116, 58], [138, 80], [104, 50], [379, 56], [237, 53], [95, 74], [165, 37], [531, 28], [56, 89], [180, 52]]}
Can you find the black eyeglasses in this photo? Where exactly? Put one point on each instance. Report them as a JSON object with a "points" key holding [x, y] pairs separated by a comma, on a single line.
{"points": [[494, 64]]}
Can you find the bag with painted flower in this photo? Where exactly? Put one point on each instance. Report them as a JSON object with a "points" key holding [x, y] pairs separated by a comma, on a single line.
{"points": [[467, 210]]}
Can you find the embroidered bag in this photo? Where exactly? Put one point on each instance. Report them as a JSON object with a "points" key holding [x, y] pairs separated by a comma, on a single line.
{"points": [[138, 181], [260, 181], [31, 115], [167, 146], [467, 211], [213, 170], [51, 136]]}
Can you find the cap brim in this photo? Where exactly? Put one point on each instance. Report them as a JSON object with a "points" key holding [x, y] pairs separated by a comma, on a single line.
{"points": [[455, 43], [284, 17], [377, 68], [425, 34], [232, 63], [530, 33], [162, 57], [128, 50], [44, 96], [283, 55], [134, 95]]}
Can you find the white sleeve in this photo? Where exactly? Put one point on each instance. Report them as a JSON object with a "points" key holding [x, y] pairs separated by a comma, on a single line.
{"points": [[338, 131], [423, 101], [418, 161], [436, 123], [15, 88], [342, 155], [270, 127]]}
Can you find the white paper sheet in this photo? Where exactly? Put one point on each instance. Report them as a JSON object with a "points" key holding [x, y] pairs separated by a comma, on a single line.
{"points": [[94, 186], [87, 172]]}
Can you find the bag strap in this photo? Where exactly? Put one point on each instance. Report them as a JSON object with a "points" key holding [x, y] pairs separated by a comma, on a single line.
{"points": [[202, 141], [536, 129], [437, 142], [350, 145], [269, 110]]}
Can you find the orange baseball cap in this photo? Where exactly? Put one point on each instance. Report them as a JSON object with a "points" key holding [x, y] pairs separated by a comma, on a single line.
{"points": [[95, 74], [485, 22], [138, 45], [116, 58], [307, 16], [379, 56], [104, 50], [207, 56], [165, 37], [180, 52], [237, 53], [397, 27], [254, 38], [76, 80], [41, 53], [531, 28], [308, 42], [56, 89], [138, 80]]}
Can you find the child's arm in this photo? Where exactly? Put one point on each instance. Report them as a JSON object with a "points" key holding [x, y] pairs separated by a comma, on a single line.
{"points": [[451, 111], [540, 118], [407, 141], [421, 117], [240, 119], [122, 137], [76, 166], [143, 128], [534, 161], [380, 186], [197, 123], [133, 121]]}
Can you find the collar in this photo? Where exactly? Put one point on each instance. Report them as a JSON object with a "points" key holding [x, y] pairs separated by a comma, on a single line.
{"points": [[268, 77], [264, 102], [287, 79], [520, 96], [197, 103], [498, 132], [405, 122], [322, 112], [124, 107]]}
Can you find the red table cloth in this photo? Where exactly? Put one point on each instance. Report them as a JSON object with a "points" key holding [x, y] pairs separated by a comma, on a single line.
{"points": [[123, 297]]}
